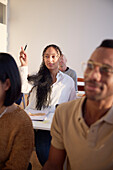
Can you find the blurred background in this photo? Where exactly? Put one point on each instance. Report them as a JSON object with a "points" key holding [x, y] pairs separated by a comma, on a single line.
{"points": [[76, 26]]}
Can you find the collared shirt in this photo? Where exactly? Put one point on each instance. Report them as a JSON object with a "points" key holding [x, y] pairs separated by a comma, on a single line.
{"points": [[63, 90], [72, 74], [87, 148]]}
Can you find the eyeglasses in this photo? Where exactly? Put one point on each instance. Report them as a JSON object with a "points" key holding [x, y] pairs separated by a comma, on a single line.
{"points": [[103, 68]]}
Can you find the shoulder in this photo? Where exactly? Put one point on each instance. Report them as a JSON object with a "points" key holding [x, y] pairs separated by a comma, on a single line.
{"points": [[65, 109], [69, 105], [67, 112], [65, 76], [71, 71], [20, 118]]}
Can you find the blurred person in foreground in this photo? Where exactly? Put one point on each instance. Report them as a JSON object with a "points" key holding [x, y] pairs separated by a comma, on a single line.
{"points": [[16, 131], [82, 129], [65, 69]]}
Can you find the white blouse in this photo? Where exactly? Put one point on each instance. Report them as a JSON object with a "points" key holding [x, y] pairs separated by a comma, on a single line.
{"points": [[63, 90]]}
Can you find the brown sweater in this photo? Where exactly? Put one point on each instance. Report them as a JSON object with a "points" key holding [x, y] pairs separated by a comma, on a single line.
{"points": [[16, 140]]}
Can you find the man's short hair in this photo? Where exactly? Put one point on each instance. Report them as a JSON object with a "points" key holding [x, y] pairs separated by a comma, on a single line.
{"points": [[108, 43]]}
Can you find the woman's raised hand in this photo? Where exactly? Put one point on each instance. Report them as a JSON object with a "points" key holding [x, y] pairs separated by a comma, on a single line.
{"points": [[23, 57]]}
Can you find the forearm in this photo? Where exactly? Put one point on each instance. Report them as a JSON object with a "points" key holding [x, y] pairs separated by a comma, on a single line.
{"points": [[50, 166], [56, 159]]}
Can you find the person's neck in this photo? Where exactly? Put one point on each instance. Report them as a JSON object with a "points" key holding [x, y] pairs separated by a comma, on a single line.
{"points": [[94, 110], [53, 75]]}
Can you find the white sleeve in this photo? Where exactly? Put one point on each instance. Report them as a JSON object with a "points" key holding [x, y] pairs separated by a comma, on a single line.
{"points": [[26, 87], [72, 93]]}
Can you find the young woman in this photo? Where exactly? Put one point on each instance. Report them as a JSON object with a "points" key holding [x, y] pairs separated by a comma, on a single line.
{"points": [[16, 131], [49, 87]]}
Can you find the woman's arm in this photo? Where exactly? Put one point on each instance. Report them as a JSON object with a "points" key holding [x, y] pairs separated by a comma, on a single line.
{"points": [[26, 87], [23, 58]]}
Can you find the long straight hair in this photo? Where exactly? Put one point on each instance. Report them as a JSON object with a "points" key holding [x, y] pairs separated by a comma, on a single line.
{"points": [[42, 81]]}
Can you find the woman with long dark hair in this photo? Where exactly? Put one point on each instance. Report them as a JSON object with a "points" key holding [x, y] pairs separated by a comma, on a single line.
{"points": [[16, 130], [48, 88]]}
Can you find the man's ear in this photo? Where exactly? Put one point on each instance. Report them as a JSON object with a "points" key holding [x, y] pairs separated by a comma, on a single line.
{"points": [[7, 84]]}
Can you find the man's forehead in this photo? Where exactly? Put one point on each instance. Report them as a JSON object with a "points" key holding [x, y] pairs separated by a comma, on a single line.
{"points": [[103, 55]]}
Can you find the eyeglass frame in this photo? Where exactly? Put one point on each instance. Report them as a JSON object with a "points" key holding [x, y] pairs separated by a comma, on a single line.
{"points": [[103, 68]]}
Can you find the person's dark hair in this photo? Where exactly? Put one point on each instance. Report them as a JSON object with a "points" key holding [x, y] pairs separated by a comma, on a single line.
{"points": [[108, 43], [43, 81], [9, 70], [58, 50]]}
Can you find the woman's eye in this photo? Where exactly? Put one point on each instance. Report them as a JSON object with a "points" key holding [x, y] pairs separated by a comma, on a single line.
{"points": [[53, 56], [46, 56]]}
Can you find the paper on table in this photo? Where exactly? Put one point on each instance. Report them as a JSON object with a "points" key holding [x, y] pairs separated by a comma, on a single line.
{"points": [[37, 114]]}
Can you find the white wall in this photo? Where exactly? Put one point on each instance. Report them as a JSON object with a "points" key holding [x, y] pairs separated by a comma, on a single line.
{"points": [[77, 26], [3, 25]]}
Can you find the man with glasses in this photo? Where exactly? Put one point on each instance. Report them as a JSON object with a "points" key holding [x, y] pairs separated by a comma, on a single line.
{"points": [[82, 130]]}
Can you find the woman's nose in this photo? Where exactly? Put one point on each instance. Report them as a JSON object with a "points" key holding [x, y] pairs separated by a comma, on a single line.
{"points": [[50, 59]]}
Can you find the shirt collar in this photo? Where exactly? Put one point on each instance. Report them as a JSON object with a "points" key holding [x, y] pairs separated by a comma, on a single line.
{"points": [[108, 117], [59, 76]]}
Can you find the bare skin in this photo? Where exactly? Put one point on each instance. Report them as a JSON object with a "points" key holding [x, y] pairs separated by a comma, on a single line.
{"points": [[56, 159]]}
